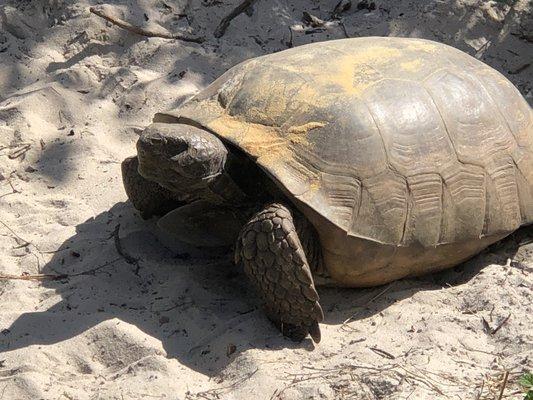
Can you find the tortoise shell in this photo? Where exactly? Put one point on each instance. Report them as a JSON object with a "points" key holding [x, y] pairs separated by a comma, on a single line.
{"points": [[406, 154]]}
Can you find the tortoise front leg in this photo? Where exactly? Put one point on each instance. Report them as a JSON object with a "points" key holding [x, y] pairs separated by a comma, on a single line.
{"points": [[150, 198], [275, 261]]}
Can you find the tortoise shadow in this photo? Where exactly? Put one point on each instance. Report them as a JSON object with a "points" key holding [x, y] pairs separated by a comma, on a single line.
{"points": [[194, 301]]}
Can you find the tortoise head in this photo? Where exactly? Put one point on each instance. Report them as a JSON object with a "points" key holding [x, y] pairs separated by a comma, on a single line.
{"points": [[182, 158]]}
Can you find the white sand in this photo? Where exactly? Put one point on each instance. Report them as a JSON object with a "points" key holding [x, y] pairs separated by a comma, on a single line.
{"points": [[74, 92]]}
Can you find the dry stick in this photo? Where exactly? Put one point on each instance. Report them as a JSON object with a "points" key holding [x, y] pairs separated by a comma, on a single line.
{"points": [[4, 390], [323, 373], [57, 277], [315, 22], [341, 24], [224, 23], [367, 303], [505, 377], [19, 152], [290, 44], [219, 331], [26, 243], [93, 270], [14, 146], [312, 20], [481, 390], [12, 187], [477, 350], [486, 326], [500, 325], [225, 389], [128, 258], [382, 353], [13, 191], [38, 277], [426, 381], [143, 32]]}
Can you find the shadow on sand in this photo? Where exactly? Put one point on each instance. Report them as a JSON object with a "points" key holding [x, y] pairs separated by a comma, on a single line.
{"points": [[195, 302]]}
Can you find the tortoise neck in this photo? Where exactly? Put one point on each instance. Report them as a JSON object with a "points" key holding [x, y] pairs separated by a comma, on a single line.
{"points": [[224, 189]]}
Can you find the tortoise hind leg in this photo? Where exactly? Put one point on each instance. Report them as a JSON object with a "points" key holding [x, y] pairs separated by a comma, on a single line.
{"points": [[275, 261], [148, 197]]}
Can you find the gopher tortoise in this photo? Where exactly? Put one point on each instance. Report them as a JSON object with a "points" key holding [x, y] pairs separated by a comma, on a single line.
{"points": [[351, 162]]}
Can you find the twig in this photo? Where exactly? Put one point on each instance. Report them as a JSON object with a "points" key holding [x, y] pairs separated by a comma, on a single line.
{"points": [[4, 391], [14, 146], [290, 43], [19, 152], [342, 367], [13, 190], [38, 262], [500, 325], [504, 383], [382, 353], [486, 326], [25, 242], [143, 32], [424, 380], [342, 6], [93, 270], [492, 331], [341, 24], [312, 20], [519, 69], [120, 250], [11, 185], [367, 303], [214, 393], [118, 245], [221, 330], [37, 277], [476, 350], [21, 243], [348, 372], [224, 23], [55, 277], [481, 390]]}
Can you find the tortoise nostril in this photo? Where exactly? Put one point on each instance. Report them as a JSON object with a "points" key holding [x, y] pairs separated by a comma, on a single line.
{"points": [[179, 148], [155, 140]]}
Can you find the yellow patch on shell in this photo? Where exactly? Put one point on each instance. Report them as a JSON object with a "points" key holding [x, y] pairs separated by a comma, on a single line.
{"points": [[297, 134], [426, 46], [258, 140], [315, 185], [298, 139], [352, 72], [303, 129], [411, 66], [357, 72]]}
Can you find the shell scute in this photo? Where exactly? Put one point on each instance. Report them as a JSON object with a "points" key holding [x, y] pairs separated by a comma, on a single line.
{"points": [[393, 140]]}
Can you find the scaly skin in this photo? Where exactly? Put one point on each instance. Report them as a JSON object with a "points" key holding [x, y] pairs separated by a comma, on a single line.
{"points": [[146, 196], [275, 261], [182, 162]]}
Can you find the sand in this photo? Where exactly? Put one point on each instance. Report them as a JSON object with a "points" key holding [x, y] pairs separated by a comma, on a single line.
{"points": [[181, 323]]}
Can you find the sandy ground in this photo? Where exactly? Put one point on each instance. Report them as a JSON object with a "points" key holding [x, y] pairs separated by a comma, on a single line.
{"points": [[182, 323]]}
